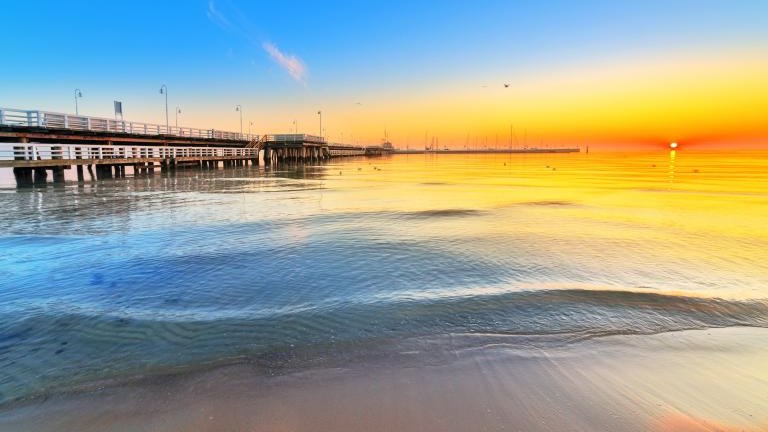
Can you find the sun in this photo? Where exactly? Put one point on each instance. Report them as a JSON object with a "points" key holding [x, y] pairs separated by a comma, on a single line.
{"points": [[673, 145]]}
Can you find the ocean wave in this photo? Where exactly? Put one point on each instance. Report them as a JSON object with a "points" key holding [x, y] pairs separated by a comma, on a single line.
{"points": [[428, 214], [43, 348]]}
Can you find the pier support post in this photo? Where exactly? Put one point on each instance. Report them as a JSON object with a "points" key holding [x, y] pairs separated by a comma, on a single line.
{"points": [[79, 168], [41, 176], [58, 175], [23, 177], [103, 171]]}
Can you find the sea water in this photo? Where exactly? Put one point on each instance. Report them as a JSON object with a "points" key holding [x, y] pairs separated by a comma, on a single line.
{"points": [[152, 274]]}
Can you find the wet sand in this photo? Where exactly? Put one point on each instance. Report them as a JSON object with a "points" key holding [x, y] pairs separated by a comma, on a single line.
{"points": [[700, 380]]}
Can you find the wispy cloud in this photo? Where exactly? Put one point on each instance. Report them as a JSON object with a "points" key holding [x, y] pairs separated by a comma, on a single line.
{"points": [[217, 17], [292, 64], [233, 21]]}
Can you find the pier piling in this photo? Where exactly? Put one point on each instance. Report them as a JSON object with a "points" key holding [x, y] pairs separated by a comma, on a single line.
{"points": [[58, 175], [41, 176], [23, 177]]}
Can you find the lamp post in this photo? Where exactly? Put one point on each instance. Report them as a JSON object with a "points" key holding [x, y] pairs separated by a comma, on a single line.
{"points": [[164, 90], [78, 94], [250, 124], [320, 114], [178, 111], [295, 127], [239, 109]]}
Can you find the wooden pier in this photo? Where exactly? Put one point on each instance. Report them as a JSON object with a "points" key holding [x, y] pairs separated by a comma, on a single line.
{"points": [[32, 161], [35, 142], [493, 151]]}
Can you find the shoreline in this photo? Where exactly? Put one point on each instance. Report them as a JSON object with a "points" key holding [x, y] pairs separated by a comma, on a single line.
{"points": [[640, 382]]}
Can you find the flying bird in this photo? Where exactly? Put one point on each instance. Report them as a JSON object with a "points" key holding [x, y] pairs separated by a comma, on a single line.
{"points": [[506, 85]]}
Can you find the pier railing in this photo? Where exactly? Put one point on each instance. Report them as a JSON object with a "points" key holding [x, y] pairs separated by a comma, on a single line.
{"points": [[28, 152], [52, 120], [294, 138]]}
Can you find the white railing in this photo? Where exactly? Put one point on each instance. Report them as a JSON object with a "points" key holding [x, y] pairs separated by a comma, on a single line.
{"points": [[52, 120], [34, 151], [352, 151], [348, 146], [293, 138]]}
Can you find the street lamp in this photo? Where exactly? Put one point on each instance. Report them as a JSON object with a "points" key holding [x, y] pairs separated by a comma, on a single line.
{"points": [[164, 90], [178, 111], [239, 108], [78, 94], [320, 114], [250, 124], [295, 127]]}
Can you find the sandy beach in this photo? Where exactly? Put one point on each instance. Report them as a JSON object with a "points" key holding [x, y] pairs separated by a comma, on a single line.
{"points": [[700, 380]]}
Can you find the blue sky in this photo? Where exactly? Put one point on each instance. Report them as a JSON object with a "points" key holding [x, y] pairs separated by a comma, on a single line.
{"points": [[212, 55]]}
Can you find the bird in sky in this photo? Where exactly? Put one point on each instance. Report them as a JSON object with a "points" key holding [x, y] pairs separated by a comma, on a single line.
{"points": [[506, 85]]}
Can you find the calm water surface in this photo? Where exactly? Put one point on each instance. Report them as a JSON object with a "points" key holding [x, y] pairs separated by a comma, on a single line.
{"points": [[131, 276]]}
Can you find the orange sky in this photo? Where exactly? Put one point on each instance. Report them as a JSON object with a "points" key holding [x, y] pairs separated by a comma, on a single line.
{"points": [[699, 102]]}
